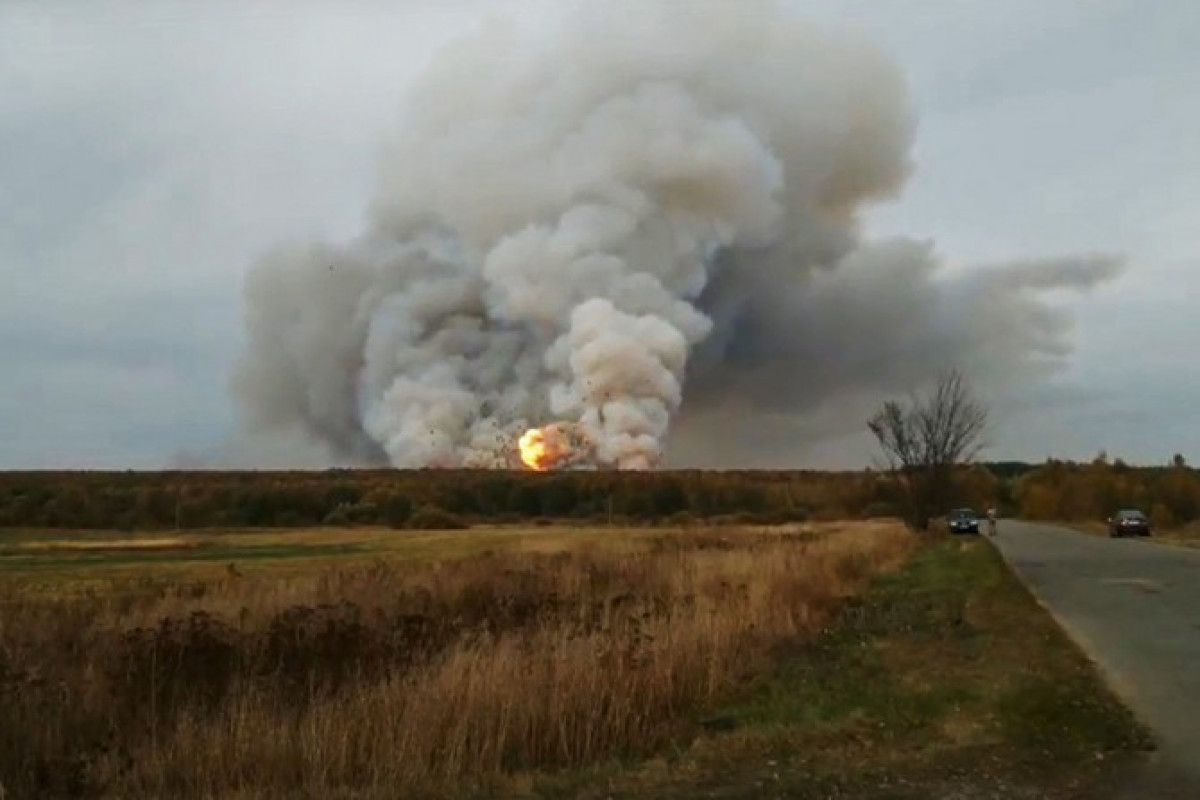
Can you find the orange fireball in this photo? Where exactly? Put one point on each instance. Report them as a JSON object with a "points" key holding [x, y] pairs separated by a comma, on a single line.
{"points": [[559, 445], [534, 450]]}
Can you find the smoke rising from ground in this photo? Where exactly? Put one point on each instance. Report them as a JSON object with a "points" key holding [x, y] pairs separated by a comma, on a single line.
{"points": [[640, 222]]}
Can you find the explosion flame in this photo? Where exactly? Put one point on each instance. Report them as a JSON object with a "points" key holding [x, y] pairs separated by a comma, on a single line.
{"points": [[533, 449], [553, 447]]}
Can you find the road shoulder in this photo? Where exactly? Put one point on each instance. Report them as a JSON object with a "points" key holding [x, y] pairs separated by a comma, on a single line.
{"points": [[1110, 597], [946, 680]]}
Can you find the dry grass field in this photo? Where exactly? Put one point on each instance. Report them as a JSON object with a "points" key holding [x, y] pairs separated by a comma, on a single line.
{"points": [[332, 662]]}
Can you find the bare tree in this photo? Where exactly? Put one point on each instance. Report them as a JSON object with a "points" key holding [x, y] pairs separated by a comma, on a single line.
{"points": [[924, 438]]}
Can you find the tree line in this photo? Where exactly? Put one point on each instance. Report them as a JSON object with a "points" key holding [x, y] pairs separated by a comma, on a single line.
{"points": [[447, 498], [1054, 490], [1084, 492]]}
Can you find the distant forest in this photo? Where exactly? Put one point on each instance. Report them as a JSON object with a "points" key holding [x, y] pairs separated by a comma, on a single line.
{"points": [[457, 498]]}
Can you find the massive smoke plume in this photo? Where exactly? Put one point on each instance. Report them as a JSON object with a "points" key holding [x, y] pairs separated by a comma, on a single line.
{"points": [[639, 225]]}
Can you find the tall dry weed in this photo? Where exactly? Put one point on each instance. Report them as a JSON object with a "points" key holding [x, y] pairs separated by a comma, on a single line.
{"points": [[382, 678]]}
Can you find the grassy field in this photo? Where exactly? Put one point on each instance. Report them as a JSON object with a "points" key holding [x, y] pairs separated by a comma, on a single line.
{"points": [[74, 559], [798, 661]]}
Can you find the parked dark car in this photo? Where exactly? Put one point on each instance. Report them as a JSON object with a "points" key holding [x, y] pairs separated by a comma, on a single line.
{"points": [[1128, 522], [963, 520]]}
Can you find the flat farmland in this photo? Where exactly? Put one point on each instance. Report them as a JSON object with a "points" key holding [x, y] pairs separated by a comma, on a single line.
{"points": [[538, 661], [61, 557]]}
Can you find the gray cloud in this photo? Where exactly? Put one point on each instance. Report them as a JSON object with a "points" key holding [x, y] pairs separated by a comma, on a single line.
{"points": [[151, 152], [700, 184]]}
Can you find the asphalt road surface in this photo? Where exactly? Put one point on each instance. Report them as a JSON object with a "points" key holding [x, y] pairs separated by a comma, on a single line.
{"points": [[1134, 607]]}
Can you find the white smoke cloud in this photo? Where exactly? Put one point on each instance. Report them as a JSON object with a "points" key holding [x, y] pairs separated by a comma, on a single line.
{"points": [[627, 221]]}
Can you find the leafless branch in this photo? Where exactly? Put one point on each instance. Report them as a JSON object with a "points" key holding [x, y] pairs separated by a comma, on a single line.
{"points": [[924, 439]]}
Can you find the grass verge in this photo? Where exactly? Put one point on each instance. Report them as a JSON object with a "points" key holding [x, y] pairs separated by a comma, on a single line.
{"points": [[947, 679]]}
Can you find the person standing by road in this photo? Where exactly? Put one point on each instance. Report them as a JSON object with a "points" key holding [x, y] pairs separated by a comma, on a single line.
{"points": [[991, 519]]}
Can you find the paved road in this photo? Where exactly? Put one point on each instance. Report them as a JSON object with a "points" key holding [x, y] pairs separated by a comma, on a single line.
{"points": [[1134, 607]]}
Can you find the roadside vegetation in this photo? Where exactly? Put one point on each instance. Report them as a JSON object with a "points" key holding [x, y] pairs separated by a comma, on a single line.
{"points": [[947, 679]]}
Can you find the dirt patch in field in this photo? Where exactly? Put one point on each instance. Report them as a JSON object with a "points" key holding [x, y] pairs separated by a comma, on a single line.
{"points": [[141, 545]]}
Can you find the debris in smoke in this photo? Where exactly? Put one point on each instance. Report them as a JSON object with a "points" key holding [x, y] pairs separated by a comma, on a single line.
{"points": [[633, 236]]}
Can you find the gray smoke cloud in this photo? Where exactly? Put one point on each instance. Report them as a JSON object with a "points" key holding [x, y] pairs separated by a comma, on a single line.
{"points": [[632, 223]]}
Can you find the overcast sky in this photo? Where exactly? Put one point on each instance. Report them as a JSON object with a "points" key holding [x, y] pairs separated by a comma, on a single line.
{"points": [[150, 151]]}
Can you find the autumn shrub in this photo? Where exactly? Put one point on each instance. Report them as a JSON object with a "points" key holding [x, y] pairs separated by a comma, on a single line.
{"points": [[432, 518], [881, 510], [1161, 517]]}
